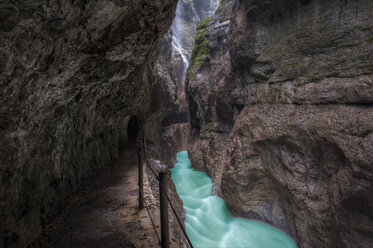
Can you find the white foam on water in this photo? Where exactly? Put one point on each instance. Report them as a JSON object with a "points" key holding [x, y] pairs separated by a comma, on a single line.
{"points": [[208, 222]]}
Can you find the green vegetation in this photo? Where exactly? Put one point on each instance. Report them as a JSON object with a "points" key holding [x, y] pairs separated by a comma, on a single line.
{"points": [[370, 66], [299, 83], [306, 79], [275, 93], [201, 48], [203, 24], [207, 128], [300, 106], [222, 4]]}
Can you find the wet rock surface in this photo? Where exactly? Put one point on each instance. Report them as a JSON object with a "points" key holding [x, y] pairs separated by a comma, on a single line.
{"points": [[166, 127], [280, 100], [178, 238], [167, 121], [299, 166], [72, 73], [105, 214], [210, 84]]}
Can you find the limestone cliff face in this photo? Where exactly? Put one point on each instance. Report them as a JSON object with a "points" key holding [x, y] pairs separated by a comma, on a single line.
{"points": [[282, 113], [166, 125], [71, 75], [209, 87]]}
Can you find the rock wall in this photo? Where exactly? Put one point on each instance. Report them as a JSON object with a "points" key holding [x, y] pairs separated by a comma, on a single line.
{"points": [[209, 85], [281, 109], [166, 126], [72, 73]]}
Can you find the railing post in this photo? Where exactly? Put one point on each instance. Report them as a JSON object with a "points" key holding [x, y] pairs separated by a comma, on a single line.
{"points": [[141, 175], [163, 187]]}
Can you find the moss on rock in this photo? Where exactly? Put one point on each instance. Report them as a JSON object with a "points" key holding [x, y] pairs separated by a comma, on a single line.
{"points": [[201, 49]]}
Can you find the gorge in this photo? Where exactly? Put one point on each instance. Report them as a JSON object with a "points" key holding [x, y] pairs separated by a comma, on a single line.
{"points": [[272, 100], [208, 221]]}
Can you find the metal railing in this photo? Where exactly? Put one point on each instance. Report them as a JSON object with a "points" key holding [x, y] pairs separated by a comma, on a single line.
{"points": [[164, 199]]}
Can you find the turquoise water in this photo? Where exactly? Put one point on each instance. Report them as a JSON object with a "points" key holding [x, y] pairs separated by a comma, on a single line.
{"points": [[208, 222]]}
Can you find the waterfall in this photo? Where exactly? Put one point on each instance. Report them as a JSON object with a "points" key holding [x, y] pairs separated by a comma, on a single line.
{"points": [[214, 4], [178, 47], [182, 38]]}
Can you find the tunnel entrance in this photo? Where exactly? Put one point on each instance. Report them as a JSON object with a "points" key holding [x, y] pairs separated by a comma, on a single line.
{"points": [[133, 129]]}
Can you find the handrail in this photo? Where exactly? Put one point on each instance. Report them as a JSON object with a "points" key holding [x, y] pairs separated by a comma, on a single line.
{"points": [[151, 219], [178, 219], [151, 169], [167, 197]]}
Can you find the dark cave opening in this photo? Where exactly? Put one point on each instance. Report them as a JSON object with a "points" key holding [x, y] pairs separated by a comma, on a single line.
{"points": [[133, 129]]}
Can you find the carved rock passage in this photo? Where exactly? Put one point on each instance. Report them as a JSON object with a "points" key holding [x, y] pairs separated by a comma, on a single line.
{"points": [[71, 75], [280, 96]]}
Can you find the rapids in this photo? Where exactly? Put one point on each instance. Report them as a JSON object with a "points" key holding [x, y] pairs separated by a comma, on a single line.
{"points": [[208, 222]]}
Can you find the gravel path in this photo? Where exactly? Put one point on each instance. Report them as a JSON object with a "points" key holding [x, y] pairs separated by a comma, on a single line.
{"points": [[105, 214]]}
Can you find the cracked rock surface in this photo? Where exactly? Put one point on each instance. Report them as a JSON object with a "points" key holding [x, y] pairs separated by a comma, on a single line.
{"points": [[72, 73], [280, 94]]}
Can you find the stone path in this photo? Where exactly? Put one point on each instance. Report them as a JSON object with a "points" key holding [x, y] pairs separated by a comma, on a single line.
{"points": [[105, 215]]}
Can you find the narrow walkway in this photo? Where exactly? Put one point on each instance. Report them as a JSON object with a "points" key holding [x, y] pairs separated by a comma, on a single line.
{"points": [[105, 215]]}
